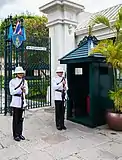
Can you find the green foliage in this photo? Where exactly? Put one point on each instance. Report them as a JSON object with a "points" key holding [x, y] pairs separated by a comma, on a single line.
{"points": [[1, 45], [1, 81], [100, 19], [113, 54], [117, 99], [35, 26], [38, 89]]}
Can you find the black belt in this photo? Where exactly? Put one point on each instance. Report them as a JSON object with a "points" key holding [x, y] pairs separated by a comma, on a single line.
{"points": [[17, 95], [58, 90]]}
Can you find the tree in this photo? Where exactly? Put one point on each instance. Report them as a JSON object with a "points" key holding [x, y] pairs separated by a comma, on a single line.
{"points": [[35, 27], [37, 34], [112, 50], [34, 24]]}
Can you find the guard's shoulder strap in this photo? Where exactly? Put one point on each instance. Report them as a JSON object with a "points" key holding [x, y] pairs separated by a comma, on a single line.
{"points": [[19, 84], [61, 81]]}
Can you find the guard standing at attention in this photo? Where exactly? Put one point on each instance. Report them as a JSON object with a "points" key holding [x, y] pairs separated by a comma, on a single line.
{"points": [[60, 87], [18, 89]]}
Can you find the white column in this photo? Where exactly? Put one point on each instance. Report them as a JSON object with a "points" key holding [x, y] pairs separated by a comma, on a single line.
{"points": [[57, 50], [62, 20]]}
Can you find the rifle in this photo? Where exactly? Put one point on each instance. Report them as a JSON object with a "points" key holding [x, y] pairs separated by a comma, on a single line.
{"points": [[63, 91], [22, 100], [22, 97]]}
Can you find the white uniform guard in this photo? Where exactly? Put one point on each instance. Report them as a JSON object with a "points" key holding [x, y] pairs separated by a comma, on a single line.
{"points": [[18, 89]]}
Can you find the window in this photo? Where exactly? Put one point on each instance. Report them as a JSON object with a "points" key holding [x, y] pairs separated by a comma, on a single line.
{"points": [[78, 71]]}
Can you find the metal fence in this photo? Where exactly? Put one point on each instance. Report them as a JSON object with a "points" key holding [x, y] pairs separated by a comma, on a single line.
{"points": [[34, 56]]}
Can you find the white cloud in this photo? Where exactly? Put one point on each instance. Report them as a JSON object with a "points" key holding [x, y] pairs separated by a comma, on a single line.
{"points": [[4, 2], [33, 6], [97, 5]]}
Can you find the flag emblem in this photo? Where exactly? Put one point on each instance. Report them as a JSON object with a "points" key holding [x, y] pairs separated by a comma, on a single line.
{"points": [[17, 40], [18, 35]]}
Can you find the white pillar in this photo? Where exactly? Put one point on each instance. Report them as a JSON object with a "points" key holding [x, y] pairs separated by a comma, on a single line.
{"points": [[57, 51], [62, 21]]}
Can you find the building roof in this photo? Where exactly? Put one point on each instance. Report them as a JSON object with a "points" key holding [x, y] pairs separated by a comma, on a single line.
{"points": [[45, 8], [111, 13], [81, 54]]}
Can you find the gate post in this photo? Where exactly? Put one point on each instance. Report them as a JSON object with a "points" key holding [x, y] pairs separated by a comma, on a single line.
{"points": [[7, 65]]}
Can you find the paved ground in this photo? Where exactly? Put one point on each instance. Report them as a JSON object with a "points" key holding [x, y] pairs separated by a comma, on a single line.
{"points": [[44, 142]]}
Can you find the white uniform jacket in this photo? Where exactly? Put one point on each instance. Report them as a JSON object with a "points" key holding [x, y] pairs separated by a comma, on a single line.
{"points": [[17, 101], [56, 80]]}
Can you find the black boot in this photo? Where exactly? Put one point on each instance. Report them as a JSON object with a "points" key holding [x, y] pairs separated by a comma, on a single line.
{"points": [[17, 139], [59, 128], [64, 128], [22, 137]]}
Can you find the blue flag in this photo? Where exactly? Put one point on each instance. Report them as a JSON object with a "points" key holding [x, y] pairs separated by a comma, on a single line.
{"points": [[10, 32], [23, 33], [18, 28]]}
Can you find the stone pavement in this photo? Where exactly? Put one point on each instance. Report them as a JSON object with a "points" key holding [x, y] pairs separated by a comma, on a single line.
{"points": [[44, 142]]}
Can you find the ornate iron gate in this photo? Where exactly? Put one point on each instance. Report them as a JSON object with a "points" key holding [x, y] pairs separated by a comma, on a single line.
{"points": [[2, 93], [34, 56]]}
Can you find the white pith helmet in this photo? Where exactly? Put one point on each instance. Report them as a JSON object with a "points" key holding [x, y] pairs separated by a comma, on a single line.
{"points": [[19, 70], [59, 69]]}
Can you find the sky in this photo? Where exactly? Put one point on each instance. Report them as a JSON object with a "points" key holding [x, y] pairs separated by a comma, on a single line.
{"points": [[14, 7]]}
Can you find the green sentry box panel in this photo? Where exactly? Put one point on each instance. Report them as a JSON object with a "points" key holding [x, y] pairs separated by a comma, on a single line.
{"points": [[95, 82]]}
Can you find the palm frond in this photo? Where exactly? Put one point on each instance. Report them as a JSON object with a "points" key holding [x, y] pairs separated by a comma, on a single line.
{"points": [[117, 26], [119, 47], [102, 48], [112, 50], [120, 36], [116, 96], [100, 19], [120, 15]]}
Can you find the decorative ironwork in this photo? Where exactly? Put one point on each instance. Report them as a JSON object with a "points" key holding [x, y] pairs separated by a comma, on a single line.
{"points": [[86, 39], [34, 56]]}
